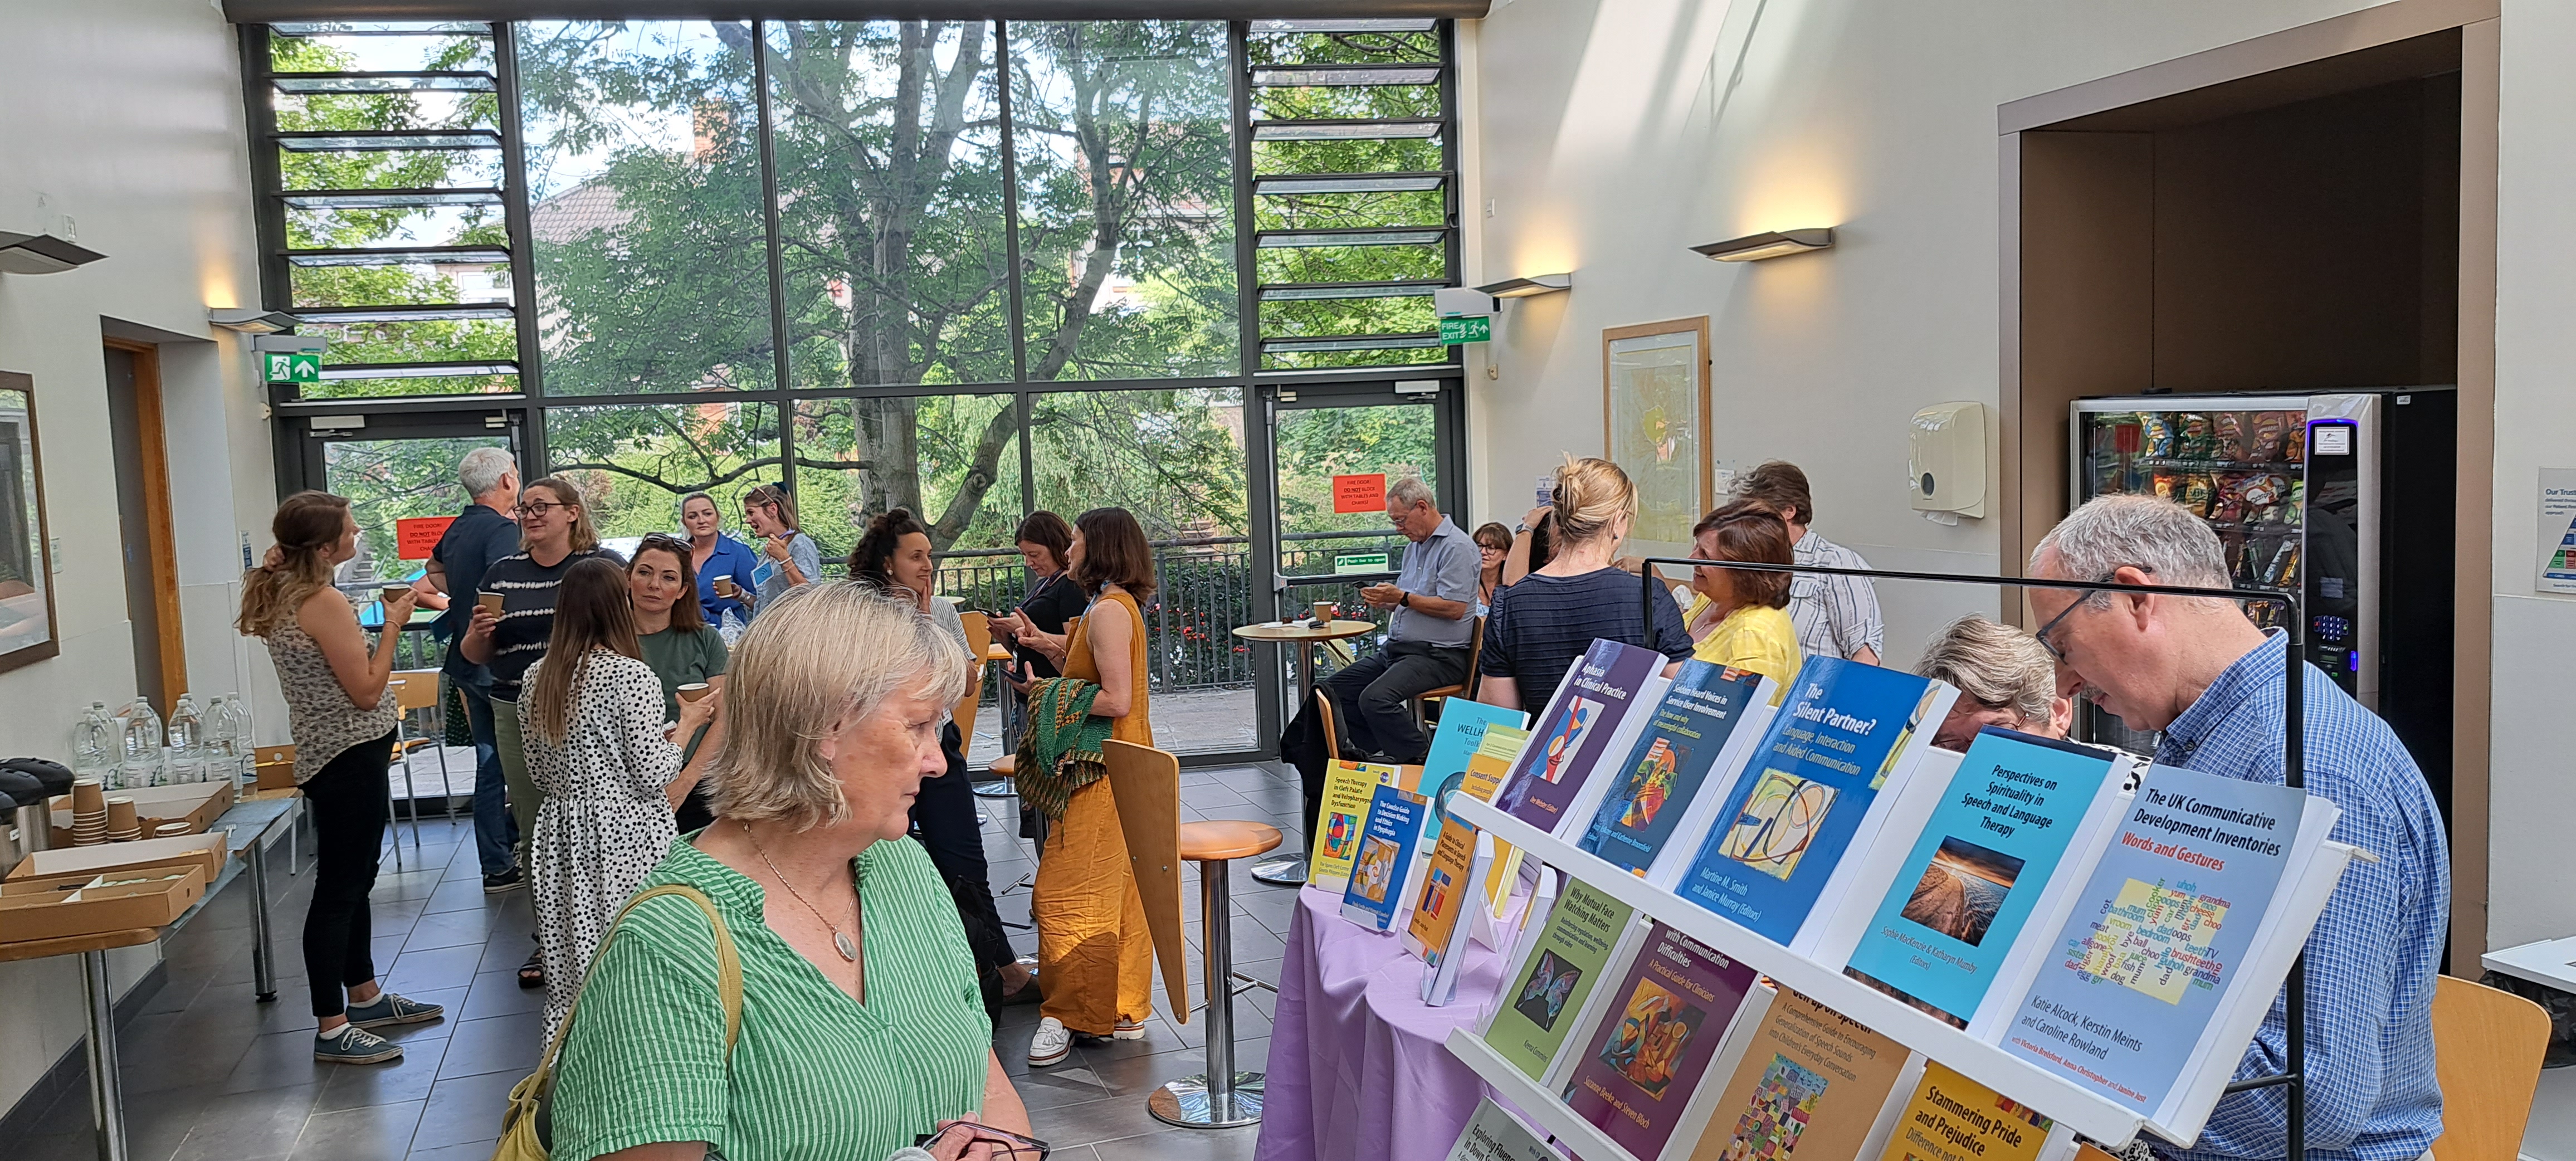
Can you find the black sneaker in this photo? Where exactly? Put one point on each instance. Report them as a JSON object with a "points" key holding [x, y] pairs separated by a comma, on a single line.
{"points": [[509, 880]]}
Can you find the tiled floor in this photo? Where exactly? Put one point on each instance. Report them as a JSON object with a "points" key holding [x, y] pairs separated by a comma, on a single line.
{"points": [[211, 1075]]}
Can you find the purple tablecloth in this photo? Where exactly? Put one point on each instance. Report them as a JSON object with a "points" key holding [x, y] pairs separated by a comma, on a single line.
{"points": [[1359, 1069]]}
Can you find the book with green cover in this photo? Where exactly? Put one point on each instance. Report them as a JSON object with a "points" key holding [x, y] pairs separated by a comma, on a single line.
{"points": [[1544, 994]]}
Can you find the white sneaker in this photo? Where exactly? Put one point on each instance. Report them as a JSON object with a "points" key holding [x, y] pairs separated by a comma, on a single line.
{"points": [[1126, 1031], [1052, 1044]]}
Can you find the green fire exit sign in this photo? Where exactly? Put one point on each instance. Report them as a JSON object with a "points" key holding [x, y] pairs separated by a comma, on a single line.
{"points": [[293, 366], [1472, 329]]}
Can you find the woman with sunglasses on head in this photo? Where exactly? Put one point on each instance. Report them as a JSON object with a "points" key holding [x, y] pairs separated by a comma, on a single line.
{"points": [[788, 557], [894, 557], [591, 714], [677, 643], [554, 534], [714, 556], [1741, 616]]}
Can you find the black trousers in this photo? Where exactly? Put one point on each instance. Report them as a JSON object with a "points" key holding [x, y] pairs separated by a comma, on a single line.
{"points": [[1378, 690], [943, 816], [347, 799]]}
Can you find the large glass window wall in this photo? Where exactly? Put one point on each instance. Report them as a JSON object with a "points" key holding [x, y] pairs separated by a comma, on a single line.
{"points": [[969, 268]]}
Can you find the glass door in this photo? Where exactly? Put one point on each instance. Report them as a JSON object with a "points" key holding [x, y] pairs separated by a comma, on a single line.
{"points": [[399, 474], [1333, 454]]}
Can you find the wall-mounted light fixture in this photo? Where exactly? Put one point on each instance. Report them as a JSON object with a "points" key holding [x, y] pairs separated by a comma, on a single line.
{"points": [[1755, 247], [252, 320], [42, 254], [1533, 285]]}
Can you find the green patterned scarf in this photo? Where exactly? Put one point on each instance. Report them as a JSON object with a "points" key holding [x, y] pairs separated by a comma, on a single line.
{"points": [[1059, 753]]}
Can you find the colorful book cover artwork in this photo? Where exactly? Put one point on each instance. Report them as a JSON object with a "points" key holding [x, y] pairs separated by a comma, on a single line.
{"points": [[1463, 725], [1577, 727], [1784, 1102], [1655, 1040], [1385, 859], [1571, 952], [2167, 915], [1672, 762], [1812, 1083], [1342, 816], [1808, 787]]}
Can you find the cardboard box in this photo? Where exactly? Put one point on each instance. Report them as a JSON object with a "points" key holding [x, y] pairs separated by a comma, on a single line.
{"points": [[198, 804], [203, 850], [54, 906], [276, 766]]}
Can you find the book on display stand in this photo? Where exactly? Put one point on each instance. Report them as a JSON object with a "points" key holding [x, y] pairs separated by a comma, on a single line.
{"points": [[1454, 742], [1949, 1117], [1584, 936], [1450, 889], [1660, 798], [1342, 817], [1494, 1134], [2000, 854], [1605, 694], [1387, 867], [1675, 1018], [1812, 1082]]}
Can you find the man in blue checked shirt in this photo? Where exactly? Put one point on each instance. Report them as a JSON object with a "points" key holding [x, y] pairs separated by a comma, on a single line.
{"points": [[2196, 669]]}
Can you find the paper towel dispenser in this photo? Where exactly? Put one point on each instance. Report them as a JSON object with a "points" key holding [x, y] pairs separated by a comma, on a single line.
{"points": [[1946, 464]]}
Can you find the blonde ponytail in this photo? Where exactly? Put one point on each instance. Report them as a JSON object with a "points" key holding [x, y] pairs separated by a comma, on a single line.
{"points": [[1591, 496]]}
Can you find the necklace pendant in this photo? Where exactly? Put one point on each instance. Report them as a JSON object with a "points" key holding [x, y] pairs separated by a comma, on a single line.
{"points": [[848, 947]]}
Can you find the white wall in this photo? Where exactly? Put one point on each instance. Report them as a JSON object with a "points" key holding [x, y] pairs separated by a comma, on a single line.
{"points": [[1615, 135], [125, 116]]}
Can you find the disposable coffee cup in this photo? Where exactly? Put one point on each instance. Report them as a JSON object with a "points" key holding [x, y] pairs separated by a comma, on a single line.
{"points": [[88, 797], [120, 815], [394, 593], [490, 601], [1324, 611], [692, 691], [725, 586]]}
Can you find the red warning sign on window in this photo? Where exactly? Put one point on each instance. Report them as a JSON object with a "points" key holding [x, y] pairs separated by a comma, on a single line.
{"points": [[1359, 493], [415, 536]]}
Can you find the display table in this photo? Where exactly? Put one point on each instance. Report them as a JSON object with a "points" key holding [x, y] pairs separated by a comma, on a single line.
{"points": [[1358, 1070], [1290, 867]]}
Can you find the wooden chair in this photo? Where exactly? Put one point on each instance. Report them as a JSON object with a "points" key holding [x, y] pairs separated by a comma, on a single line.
{"points": [[979, 636], [1475, 651], [1147, 784], [416, 690], [2487, 1046]]}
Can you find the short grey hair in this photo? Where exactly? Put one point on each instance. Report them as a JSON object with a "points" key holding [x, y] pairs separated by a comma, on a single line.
{"points": [[1408, 492], [812, 661], [2149, 533], [1994, 665], [483, 468]]}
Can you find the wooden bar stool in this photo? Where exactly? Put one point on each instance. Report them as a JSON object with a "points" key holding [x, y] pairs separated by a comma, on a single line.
{"points": [[1219, 1098]]}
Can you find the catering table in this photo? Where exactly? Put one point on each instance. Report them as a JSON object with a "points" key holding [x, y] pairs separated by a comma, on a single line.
{"points": [[1358, 1066], [248, 828], [1290, 868]]}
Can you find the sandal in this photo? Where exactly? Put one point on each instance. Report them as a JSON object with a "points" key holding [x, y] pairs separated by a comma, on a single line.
{"points": [[532, 974]]}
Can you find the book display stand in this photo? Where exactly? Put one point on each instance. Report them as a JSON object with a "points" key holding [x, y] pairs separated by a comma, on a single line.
{"points": [[2089, 1112]]}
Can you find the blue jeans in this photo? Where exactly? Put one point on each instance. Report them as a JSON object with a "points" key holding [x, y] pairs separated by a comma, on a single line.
{"points": [[495, 832]]}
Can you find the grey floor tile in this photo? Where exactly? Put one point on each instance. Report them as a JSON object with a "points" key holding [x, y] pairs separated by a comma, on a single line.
{"points": [[368, 1133], [1107, 1119], [497, 993], [433, 969], [249, 1125], [469, 1151], [463, 1110], [499, 1044], [450, 929], [357, 1086], [1178, 1144]]}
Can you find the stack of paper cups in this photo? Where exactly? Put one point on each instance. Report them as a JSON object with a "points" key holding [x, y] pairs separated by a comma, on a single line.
{"points": [[171, 829], [89, 813], [123, 825]]}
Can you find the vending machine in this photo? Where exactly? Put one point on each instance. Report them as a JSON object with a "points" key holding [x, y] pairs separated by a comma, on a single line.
{"points": [[2346, 496]]}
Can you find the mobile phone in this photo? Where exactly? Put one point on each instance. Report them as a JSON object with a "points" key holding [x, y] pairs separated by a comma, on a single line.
{"points": [[1547, 491]]}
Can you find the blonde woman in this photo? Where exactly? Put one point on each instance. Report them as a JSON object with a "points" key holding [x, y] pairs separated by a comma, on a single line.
{"points": [[1537, 626], [2005, 678], [590, 715], [788, 557], [340, 711], [861, 1028]]}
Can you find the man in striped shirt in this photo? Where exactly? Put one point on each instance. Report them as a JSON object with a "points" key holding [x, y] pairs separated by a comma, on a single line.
{"points": [[2198, 670], [1836, 616]]}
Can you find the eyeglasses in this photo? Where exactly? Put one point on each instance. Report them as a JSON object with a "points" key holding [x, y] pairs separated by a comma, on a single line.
{"points": [[1010, 1144], [2081, 600], [537, 509]]}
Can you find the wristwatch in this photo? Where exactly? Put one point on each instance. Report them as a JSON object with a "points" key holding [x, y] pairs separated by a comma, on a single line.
{"points": [[1403, 599]]}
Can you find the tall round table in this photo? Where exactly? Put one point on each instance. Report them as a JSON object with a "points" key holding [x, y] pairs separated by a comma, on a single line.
{"points": [[1289, 870]]}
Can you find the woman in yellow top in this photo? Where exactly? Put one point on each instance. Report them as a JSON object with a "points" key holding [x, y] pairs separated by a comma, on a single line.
{"points": [[1741, 618], [1095, 956]]}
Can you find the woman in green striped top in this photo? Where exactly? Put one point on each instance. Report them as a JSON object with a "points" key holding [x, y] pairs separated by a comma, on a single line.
{"points": [[862, 1027]]}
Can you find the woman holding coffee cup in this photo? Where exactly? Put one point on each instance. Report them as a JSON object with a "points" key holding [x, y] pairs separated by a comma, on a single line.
{"points": [[788, 557], [721, 564], [676, 641]]}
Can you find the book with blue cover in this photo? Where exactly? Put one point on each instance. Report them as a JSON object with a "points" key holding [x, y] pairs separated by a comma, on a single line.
{"points": [[2013, 831], [2177, 943], [1603, 690], [1462, 728], [1819, 782], [1693, 744], [1387, 865]]}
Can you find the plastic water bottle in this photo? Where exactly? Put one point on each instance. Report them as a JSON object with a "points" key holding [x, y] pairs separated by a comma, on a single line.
{"points": [[143, 740], [95, 746], [187, 731], [223, 731]]}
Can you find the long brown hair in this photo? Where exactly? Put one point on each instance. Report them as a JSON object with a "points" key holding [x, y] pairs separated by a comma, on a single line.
{"points": [[776, 499], [585, 536], [687, 615], [1114, 551], [592, 612], [307, 526]]}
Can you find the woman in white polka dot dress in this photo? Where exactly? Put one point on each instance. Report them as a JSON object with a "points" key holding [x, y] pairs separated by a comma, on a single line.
{"points": [[598, 746]]}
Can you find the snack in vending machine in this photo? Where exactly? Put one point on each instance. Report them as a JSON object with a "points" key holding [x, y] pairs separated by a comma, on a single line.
{"points": [[2198, 494], [2285, 566], [2231, 442], [2294, 443], [2227, 504], [2158, 434], [2294, 513], [2270, 428], [2168, 486], [2195, 441]]}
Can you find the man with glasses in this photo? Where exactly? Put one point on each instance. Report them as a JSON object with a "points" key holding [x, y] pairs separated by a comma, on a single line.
{"points": [[2198, 670], [484, 532]]}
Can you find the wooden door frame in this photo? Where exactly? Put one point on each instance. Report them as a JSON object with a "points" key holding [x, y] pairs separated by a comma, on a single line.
{"points": [[152, 447]]}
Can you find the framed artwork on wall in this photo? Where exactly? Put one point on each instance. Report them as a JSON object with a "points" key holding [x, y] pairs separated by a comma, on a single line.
{"points": [[27, 633], [1655, 407]]}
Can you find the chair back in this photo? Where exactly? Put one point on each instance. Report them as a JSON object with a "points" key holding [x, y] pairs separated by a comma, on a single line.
{"points": [[979, 637], [1146, 783], [415, 689], [1324, 722], [2487, 1045]]}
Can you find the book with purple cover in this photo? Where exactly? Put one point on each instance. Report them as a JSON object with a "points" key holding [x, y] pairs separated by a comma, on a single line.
{"points": [[1667, 1027], [1599, 694]]}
